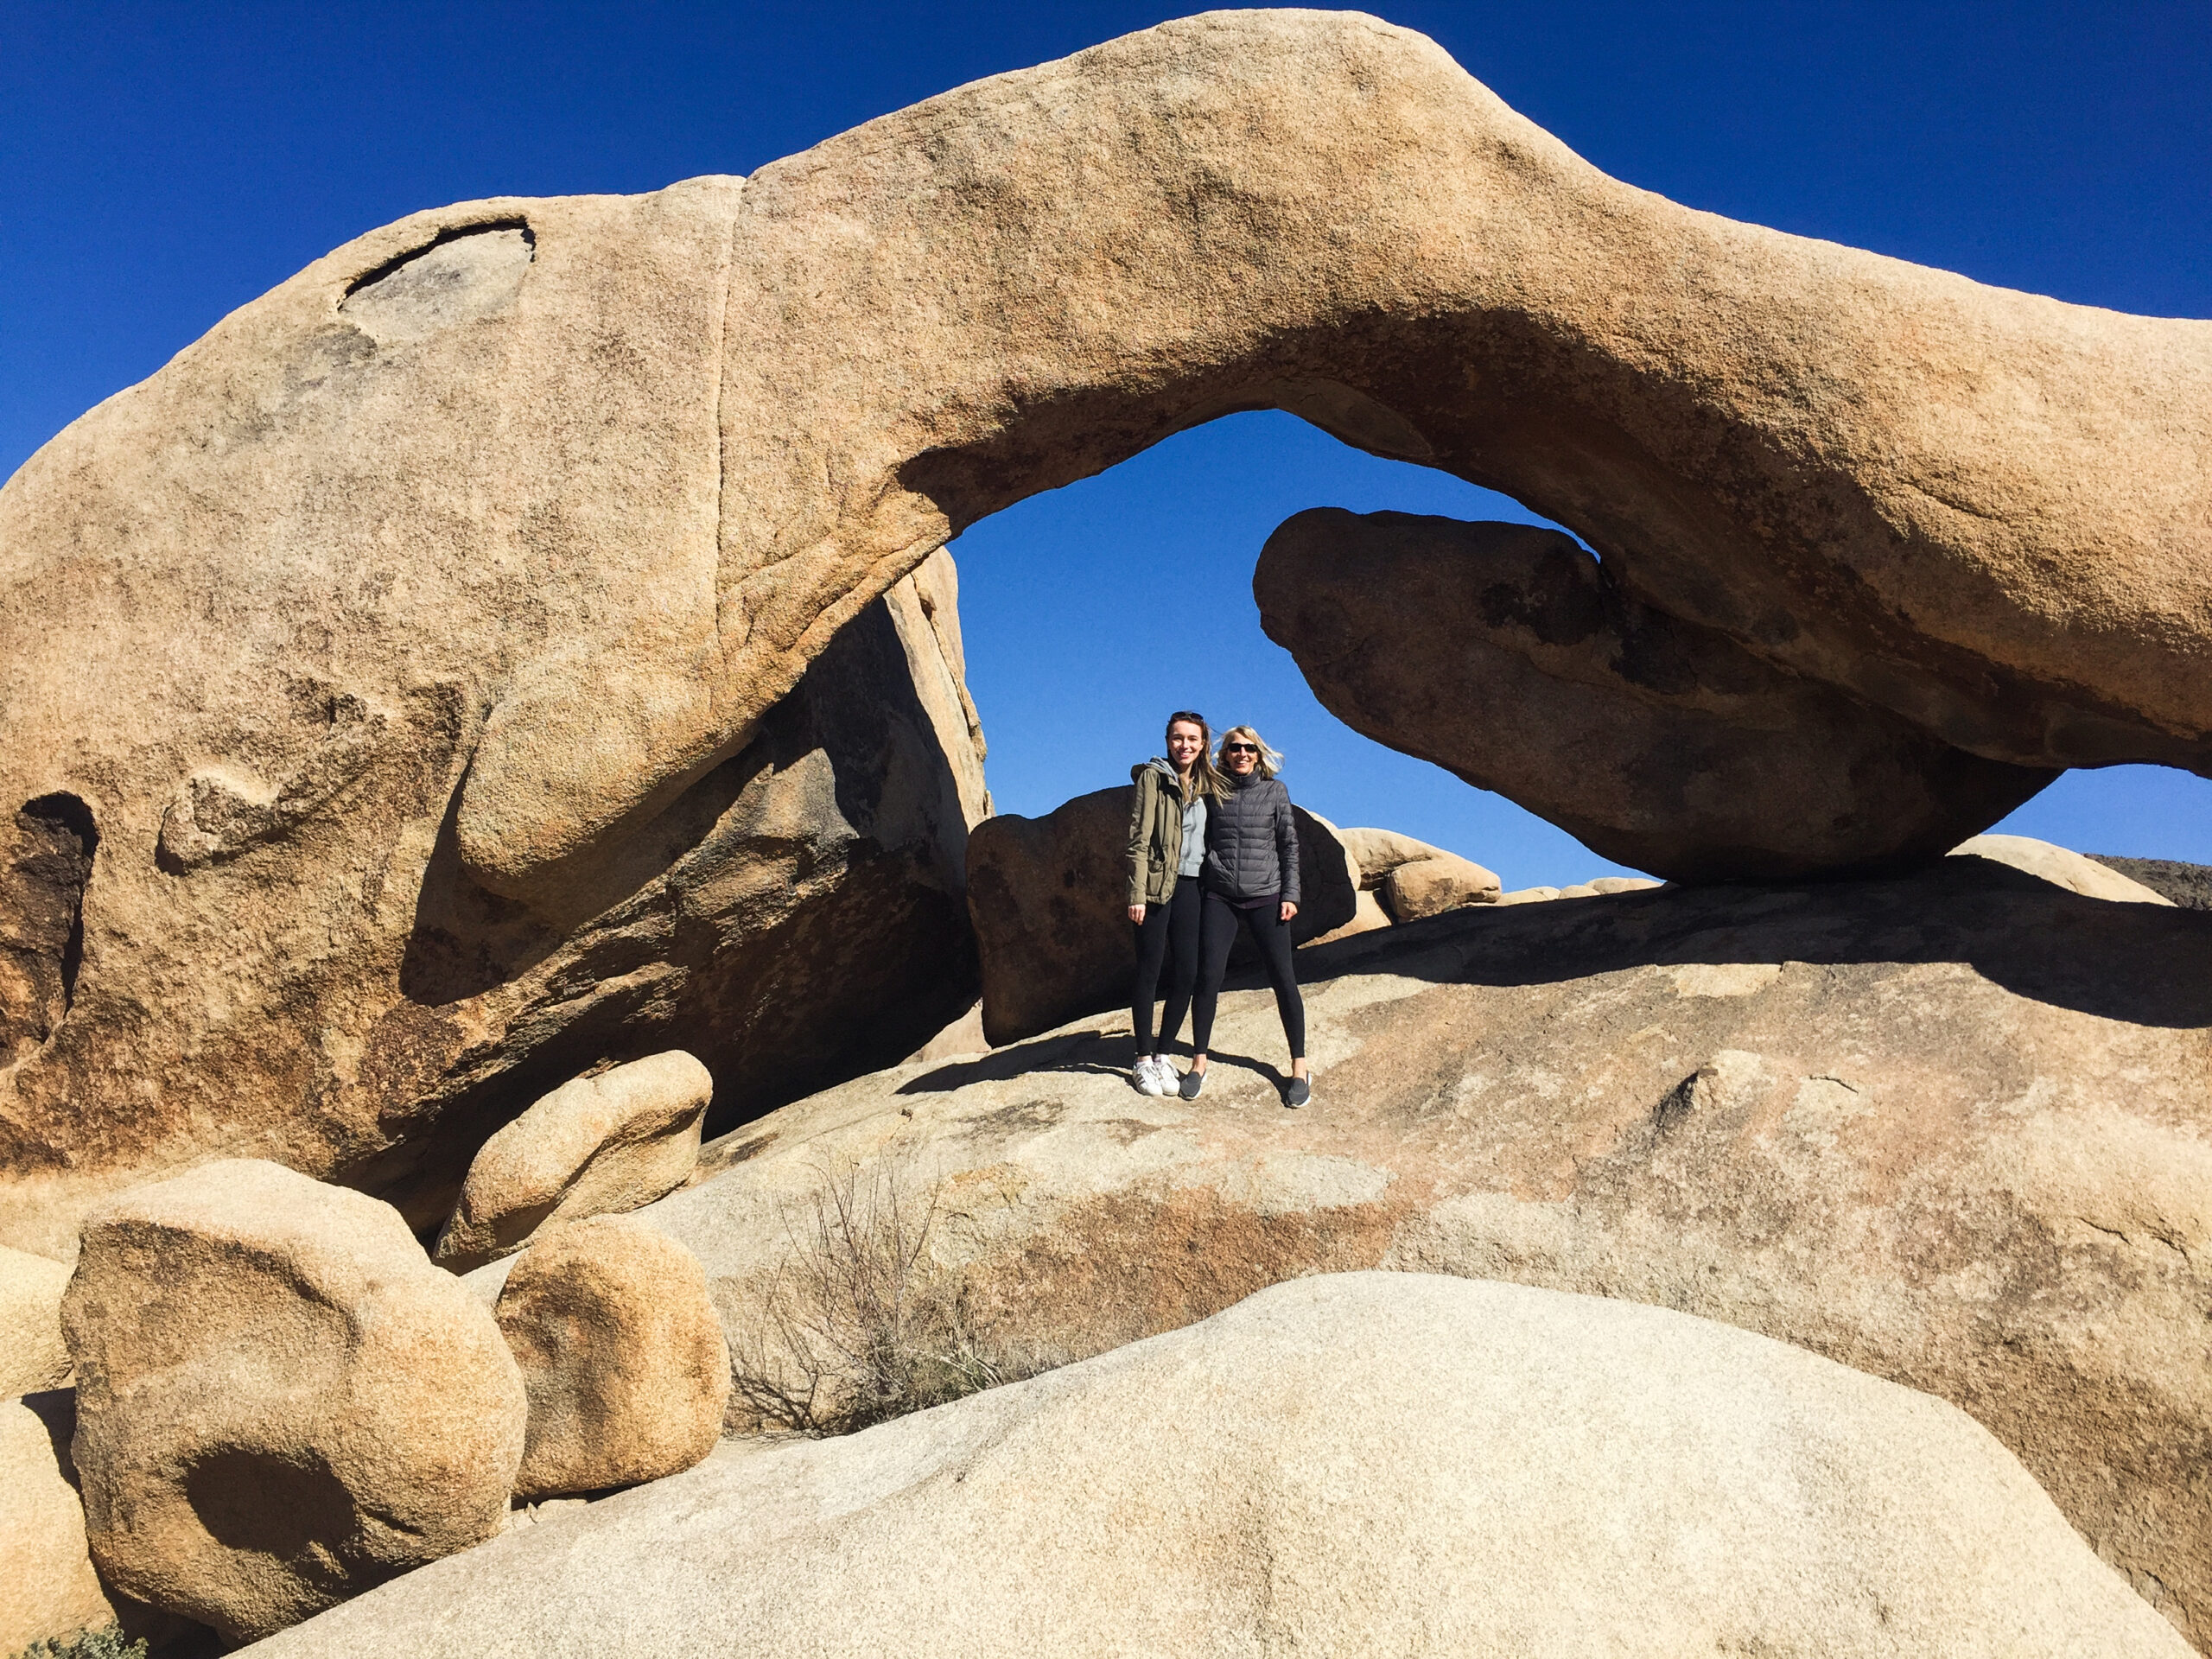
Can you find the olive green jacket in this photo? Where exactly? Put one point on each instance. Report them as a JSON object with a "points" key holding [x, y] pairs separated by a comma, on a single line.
{"points": [[1156, 833]]}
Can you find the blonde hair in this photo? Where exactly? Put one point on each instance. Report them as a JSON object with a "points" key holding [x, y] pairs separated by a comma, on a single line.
{"points": [[1204, 778], [1271, 760]]}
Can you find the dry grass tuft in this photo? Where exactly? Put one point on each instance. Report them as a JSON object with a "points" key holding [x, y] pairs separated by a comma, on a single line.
{"points": [[859, 1325]]}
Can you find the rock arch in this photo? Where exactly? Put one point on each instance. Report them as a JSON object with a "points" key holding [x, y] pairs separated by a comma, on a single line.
{"points": [[574, 491]]}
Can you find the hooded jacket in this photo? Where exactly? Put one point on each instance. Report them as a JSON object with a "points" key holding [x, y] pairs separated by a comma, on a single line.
{"points": [[1156, 819], [1252, 841]]}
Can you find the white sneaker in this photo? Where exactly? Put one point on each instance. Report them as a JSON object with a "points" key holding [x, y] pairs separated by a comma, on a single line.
{"points": [[1147, 1075]]}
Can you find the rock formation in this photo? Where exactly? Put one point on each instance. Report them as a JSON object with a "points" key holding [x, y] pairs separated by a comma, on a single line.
{"points": [[49, 1590], [794, 918], [281, 1402], [1049, 899], [2188, 884], [1527, 896], [2062, 867], [1429, 887], [598, 1145], [1952, 1130], [32, 1354], [625, 1364], [1378, 852], [1434, 881], [1371, 1463], [413, 656], [1510, 655]]}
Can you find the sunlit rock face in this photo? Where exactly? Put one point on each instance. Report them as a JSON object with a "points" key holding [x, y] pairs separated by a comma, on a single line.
{"points": [[1953, 1128], [431, 662]]}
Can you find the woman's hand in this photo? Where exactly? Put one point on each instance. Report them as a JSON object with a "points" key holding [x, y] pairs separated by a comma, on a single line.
{"points": [[1289, 910], [1136, 915]]}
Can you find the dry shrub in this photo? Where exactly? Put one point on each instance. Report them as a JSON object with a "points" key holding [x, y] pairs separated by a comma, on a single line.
{"points": [[108, 1643], [859, 1325]]}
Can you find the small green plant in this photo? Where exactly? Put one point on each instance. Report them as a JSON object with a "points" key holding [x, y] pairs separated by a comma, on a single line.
{"points": [[106, 1643], [859, 1325]]}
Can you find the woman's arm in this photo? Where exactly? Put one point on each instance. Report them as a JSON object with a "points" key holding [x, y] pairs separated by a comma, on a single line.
{"points": [[1139, 817], [1286, 853]]}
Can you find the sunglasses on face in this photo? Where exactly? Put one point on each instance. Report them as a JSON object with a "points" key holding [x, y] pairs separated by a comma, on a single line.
{"points": [[1239, 749]]}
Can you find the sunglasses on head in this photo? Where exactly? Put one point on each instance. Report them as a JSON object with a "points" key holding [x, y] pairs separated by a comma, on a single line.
{"points": [[1239, 749]]}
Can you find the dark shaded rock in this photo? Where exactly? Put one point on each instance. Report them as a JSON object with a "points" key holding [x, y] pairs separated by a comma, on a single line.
{"points": [[2188, 885], [1510, 656], [46, 860]]}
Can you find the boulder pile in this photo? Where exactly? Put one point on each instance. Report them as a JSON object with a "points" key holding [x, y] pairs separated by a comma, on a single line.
{"points": [[1950, 1129], [622, 1354], [598, 1145], [492, 712], [1371, 1462], [280, 1401]]}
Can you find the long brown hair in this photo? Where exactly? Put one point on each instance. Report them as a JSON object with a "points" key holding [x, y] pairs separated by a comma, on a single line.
{"points": [[1205, 781]]}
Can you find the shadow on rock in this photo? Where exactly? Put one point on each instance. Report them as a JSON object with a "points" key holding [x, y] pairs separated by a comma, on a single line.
{"points": [[2142, 963]]}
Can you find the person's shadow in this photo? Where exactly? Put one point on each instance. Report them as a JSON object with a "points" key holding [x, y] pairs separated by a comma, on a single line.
{"points": [[1071, 1052]]}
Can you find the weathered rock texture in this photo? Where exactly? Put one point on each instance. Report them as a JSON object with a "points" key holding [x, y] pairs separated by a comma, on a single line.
{"points": [[1509, 655], [2188, 884], [598, 1145], [626, 1365], [1367, 915], [1429, 887], [1365, 1464], [373, 1015], [32, 1354], [46, 859], [1526, 896], [48, 1589], [2062, 866], [447, 595], [1049, 899], [1378, 852], [1953, 1130], [1622, 884], [280, 1401]]}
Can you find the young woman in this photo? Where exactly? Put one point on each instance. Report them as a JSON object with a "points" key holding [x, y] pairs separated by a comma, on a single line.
{"points": [[1250, 881], [1167, 839]]}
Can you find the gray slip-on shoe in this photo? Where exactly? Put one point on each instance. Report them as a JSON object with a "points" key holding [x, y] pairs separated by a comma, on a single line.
{"points": [[1192, 1082], [1298, 1093]]}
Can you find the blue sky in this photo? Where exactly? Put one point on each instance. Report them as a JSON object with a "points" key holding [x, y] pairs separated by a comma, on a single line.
{"points": [[161, 164]]}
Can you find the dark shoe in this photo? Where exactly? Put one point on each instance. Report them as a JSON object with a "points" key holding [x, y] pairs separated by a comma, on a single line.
{"points": [[1192, 1082], [1298, 1093]]}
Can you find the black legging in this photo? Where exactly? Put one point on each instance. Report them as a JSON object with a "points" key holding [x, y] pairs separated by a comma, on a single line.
{"points": [[1169, 933], [1217, 932]]}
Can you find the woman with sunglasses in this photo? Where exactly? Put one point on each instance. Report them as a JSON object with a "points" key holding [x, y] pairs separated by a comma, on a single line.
{"points": [[1167, 839], [1250, 881]]}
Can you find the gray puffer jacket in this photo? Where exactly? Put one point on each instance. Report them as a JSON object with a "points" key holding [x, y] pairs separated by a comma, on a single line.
{"points": [[1252, 841]]}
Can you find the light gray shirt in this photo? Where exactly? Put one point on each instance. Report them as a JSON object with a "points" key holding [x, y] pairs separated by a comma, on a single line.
{"points": [[1194, 839]]}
